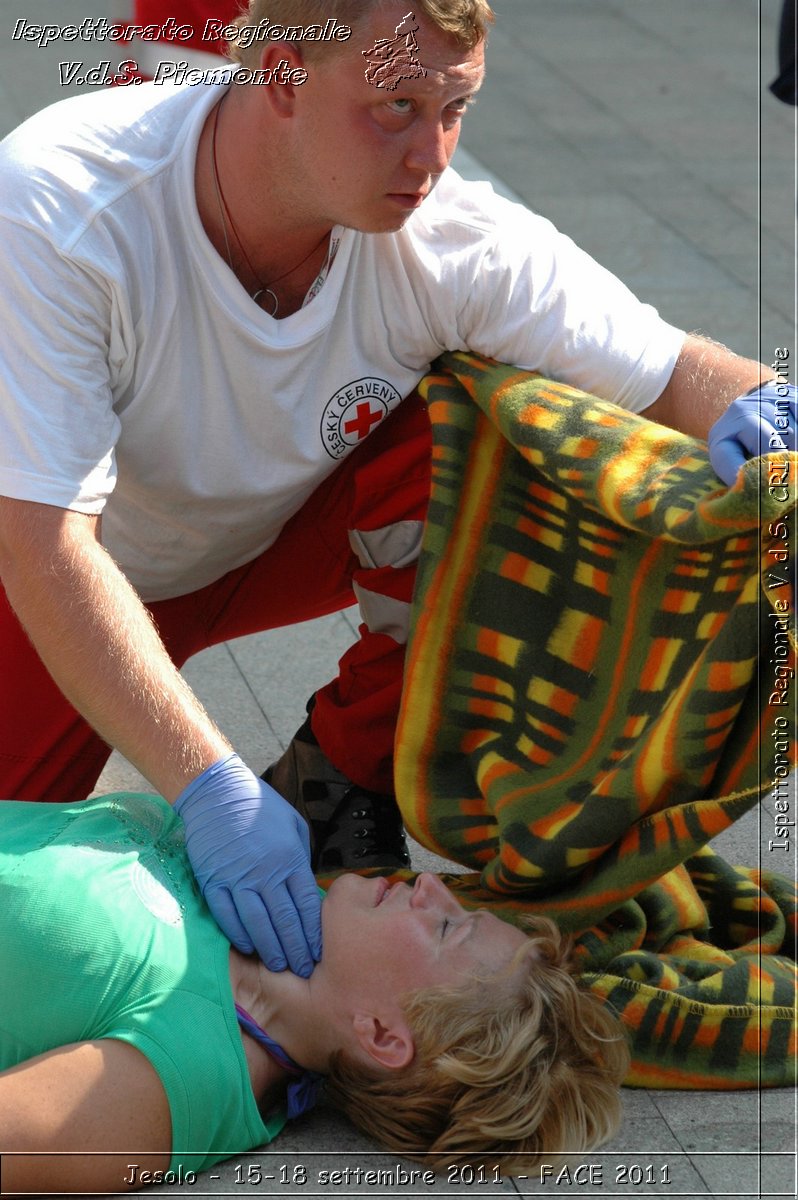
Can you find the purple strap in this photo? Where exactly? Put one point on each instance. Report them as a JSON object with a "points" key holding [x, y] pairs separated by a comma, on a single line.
{"points": [[303, 1091]]}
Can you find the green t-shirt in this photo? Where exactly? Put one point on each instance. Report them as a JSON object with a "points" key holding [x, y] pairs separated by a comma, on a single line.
{"points": [[103, 934]]}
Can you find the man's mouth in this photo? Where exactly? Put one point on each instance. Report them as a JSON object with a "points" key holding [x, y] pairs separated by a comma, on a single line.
{"points": [[408, 199]]}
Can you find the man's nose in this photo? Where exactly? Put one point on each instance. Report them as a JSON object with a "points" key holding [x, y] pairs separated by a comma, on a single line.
{"points": [[432, 149]]}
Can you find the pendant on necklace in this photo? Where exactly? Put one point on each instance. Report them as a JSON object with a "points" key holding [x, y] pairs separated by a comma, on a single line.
{"points": [[265, 291]]}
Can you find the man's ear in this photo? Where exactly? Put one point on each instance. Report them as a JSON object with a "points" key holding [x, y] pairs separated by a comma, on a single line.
{"points": [[390, 1045], [285, 59]]}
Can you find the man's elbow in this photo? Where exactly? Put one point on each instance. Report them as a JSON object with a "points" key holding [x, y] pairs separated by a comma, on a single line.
{"points": [[36, 537], [705, 380]]}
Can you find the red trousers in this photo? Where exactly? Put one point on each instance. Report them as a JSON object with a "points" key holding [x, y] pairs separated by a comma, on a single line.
{"points": [[356, 537]]}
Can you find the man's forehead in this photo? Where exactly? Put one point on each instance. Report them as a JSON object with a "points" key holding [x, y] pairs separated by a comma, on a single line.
{"points": [[403, 47]]}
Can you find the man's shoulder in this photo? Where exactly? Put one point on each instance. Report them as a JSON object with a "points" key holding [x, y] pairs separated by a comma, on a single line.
{"points": [[472, 203], [71, 160], [99, 115], [457, 199], [469, 215], [100, 131]]}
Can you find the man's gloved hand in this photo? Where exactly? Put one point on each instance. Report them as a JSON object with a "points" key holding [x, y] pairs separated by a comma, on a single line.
{"points": [[250, 851], [762, 421]]}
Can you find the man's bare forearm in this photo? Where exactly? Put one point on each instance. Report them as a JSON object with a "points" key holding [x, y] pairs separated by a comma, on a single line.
{"points": [[706, 379], [99, 643]]}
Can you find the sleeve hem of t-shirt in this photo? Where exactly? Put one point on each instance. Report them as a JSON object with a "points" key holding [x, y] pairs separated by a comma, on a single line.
{"points": [[183, 1153], [174, 1088], [20, 485], [673, 340]]}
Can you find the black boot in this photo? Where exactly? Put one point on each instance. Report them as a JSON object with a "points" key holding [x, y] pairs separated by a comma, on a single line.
{"points": [[350, 827]]}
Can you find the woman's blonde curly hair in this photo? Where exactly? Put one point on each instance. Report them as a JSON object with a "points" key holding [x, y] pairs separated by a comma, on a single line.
{"points": [[507, 1071], [466, 20]]}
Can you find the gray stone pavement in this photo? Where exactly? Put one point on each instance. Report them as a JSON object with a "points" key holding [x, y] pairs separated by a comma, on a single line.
{"points": [[644, 130]]}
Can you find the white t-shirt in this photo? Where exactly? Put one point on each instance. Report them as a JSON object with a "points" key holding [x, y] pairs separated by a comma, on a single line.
{"points": [[139, 379]]}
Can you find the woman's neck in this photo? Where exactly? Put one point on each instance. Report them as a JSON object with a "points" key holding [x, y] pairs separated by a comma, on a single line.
{"points": [[282, 1004]]}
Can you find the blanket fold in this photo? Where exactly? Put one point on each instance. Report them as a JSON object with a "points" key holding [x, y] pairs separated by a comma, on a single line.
{"points": [[599, 681]]}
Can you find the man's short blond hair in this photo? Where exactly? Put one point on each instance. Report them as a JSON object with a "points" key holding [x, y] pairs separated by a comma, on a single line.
{"points": [[507, 1072], [467, 21]]}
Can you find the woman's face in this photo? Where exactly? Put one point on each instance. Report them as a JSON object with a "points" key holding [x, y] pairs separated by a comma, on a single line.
{"points": [[381, 942]]}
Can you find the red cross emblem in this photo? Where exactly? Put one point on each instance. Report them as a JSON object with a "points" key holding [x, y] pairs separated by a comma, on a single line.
{"points": [[365, 419], [353, 412]]}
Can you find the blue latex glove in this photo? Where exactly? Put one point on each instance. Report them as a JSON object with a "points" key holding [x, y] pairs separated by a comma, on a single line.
{"points": [[762, 421], [250, 851]]}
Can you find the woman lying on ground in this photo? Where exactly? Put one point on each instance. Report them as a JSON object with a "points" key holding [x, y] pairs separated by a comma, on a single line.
{"points": [[127, 1020]]}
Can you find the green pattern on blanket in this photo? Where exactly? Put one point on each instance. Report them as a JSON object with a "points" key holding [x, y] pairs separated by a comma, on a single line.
{"points": [[586, 706]]}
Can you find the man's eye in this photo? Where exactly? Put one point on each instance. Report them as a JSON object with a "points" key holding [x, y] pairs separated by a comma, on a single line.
{"points": [[401, 106], [455, 112], [444, 927]]}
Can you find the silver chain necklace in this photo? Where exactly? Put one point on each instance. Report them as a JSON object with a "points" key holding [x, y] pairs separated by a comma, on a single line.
{"points": [[227, 219]]}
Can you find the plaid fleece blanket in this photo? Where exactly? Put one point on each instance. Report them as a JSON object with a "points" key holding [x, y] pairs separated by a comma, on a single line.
{"points": [[598, 682]]}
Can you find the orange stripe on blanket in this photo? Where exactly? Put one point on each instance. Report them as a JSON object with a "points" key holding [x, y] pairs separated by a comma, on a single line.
{"points": [[659, 663], [499, 646], [644, 1075], [549, 695], [534, 414], [549, 827], [623, 474], [475, 739], [541, 533], [492, 710], [721, 718], [426, 670], [577, 639], [710, 625], [591, 577], [680, 601], [520, 569], [538, 755], [492, 769], [729, 676], [517, 865], [491, 683], [660, 753], [551, 731], [618, 680], [581, 447]]}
